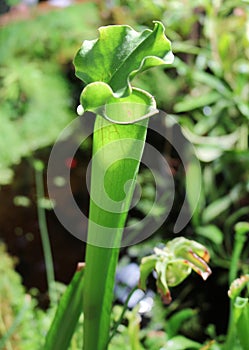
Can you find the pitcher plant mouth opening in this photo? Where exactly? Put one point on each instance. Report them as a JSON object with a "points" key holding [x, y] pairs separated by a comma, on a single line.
{"points": [[123, 119], [139, 105]]}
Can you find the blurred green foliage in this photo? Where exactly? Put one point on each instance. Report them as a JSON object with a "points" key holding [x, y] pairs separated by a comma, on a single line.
{"points": [[35, 92], [19, 310], [207, 91]]}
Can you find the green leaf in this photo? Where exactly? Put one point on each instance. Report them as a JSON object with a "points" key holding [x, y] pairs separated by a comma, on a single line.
{"points": [[209, 148], [177, 272], [161, 282], [181, 343], [175, 322], [67, 315], [120, 53], [212, 232], [194, 188], [146, 267], [190, 102], [213, 82], [223, 142], [220, 205], [109, 63]]}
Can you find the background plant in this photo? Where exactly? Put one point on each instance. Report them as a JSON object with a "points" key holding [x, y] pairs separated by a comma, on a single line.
{"points": [[33, 73], [207, 90]]}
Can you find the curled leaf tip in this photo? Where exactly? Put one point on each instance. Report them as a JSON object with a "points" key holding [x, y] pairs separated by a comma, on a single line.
{"points": [[80, 266], [205, 255], [205, 274], [198, 264], [109, 80], [237, 286]]}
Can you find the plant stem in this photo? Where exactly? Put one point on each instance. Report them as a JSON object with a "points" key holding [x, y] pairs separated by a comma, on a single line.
{"points": [[102, 256], [118, 322], [239, 242], [38, 166]]}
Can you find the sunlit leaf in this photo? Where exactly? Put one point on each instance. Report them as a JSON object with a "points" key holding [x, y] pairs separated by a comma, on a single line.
{"points": [[132, 51], [109, 79]]}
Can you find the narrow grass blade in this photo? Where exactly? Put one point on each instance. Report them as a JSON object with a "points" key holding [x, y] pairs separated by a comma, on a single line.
{"points": [[67, 315]]}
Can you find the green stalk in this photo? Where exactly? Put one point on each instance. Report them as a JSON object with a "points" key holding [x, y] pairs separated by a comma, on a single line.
{"points": [[241, 230], [38, 166], [121, 317], [108, 144]]}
